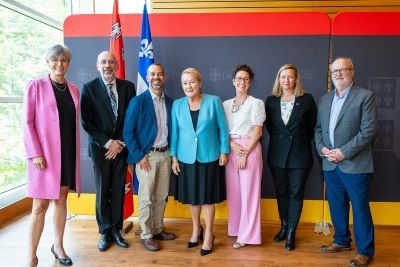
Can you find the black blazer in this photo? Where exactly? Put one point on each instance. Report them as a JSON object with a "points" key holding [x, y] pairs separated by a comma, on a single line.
{"points": [[97, 115], [290, 144]]}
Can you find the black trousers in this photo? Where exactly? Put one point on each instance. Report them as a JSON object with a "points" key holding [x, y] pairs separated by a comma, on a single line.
{"points": [[110, 191], [289, 186]]}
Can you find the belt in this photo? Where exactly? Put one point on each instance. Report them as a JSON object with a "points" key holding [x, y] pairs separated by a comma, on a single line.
{"points": [[159, 149], [237, 136]]}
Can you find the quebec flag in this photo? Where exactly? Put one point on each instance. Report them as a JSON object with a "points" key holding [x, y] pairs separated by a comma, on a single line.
{"points": [[146, 56]]}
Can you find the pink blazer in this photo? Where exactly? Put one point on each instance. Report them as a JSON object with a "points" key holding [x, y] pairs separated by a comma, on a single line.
{"points": [[41, 133]]}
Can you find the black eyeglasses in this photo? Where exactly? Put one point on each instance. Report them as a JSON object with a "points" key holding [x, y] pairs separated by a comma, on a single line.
{"points": [[341, 70], [242, 79]]}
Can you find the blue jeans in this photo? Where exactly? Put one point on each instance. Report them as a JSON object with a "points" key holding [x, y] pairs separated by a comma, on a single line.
{"points": [[344, 187]]}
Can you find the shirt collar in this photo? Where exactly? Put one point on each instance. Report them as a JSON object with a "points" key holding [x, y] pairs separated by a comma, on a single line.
{"points": [[156, 97], [345, 92], [113, 82]]}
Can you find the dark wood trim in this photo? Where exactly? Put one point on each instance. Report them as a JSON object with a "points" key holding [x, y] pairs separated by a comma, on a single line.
{"points": [[14, 210]]}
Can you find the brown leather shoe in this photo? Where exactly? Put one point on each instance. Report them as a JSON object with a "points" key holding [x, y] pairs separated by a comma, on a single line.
{"points": [[150, 244], [333, 248], [164, 236], [360, 261]]}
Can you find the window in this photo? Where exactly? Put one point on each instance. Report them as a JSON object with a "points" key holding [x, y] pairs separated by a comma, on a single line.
{"points": [[55, 9], [25, 35]]}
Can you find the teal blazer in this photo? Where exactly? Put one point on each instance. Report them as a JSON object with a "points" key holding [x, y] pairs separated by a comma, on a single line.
{"points": [[211, 137]]}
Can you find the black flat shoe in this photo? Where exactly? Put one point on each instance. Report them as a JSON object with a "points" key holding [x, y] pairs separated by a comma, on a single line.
{"points": [[64, 262], [204, 252], [104, 242], [195, 244], [119, 240]]}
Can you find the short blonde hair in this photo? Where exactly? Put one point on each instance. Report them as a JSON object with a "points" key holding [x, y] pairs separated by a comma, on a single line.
{"points": [[298, 89], [194, 72]]}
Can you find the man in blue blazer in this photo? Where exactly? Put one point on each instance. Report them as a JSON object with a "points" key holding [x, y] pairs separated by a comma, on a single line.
{"points": [[147, 134], [346, 126], [104, 101]]}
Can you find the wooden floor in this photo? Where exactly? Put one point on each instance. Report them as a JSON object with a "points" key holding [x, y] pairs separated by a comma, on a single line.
{"points": [[81, 238]]}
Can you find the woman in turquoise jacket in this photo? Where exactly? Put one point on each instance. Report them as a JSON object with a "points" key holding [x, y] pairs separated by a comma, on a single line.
{"points": [[199, 149]]}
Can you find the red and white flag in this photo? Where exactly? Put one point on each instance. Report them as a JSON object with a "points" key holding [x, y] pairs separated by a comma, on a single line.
{"points": [[117, 47], [116, 41]]}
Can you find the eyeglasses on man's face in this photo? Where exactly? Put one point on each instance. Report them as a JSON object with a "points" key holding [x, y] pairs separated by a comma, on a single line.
{"points": [[242, 79], [341, 70], [109, 62]]}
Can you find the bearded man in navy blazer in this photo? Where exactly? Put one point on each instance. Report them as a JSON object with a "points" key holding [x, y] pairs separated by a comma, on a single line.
{"points": [[103, 104], [346, 126], [147, 134]]}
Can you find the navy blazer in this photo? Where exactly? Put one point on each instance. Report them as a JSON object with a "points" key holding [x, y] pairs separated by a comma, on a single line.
{"points": [[97, 114], [290, 144], [140, 128]]}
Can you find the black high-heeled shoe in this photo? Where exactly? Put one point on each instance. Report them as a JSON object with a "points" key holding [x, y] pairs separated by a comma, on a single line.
{"points": [[37, 261], [64, 262], [282, 234], [290, 240], [204, 252], [200, 237]]}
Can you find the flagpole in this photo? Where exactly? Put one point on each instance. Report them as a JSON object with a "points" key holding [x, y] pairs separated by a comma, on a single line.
{"points": [[146, 55], [117, 47]]}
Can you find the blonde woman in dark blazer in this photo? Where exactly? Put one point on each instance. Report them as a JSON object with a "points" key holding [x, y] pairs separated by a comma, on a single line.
{"points": [[291, 116]]}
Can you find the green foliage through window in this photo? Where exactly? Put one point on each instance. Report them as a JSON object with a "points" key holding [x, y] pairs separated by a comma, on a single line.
{"points": [[23, 43]]}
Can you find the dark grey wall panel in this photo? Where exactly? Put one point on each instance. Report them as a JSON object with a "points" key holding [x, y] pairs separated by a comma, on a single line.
{"points": [[377, 67], [215, 58]]}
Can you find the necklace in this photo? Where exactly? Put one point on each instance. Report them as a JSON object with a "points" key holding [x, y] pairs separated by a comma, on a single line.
{"points": [[195, 105], [236, 108], [289, 98], [59, 86]]}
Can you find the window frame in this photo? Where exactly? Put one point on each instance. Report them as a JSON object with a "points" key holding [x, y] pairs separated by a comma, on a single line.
{"points": [[18, 192]]}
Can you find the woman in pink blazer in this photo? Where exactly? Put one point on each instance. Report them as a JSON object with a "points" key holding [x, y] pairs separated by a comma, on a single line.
{"points": [[51, 139]]}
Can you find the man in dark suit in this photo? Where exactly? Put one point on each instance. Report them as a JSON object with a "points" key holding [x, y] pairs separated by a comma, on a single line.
{"points": [[346, 126], [147, 133], [103, 104]]}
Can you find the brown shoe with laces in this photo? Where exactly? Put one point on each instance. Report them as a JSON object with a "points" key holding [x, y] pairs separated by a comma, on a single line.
{"points": [[333, 248], [150, 244], [360, 261], [164, 236]]}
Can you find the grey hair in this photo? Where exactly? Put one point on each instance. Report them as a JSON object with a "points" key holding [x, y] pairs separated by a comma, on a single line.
{"points": [[56, 51], [347, 59]]}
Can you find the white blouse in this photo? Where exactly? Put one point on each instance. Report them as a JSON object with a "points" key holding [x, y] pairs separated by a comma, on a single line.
{"points": [[286, 110], [251, 112]]}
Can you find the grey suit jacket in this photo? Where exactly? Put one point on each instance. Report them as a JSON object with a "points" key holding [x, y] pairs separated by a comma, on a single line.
{"points": [[355, 129]]}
